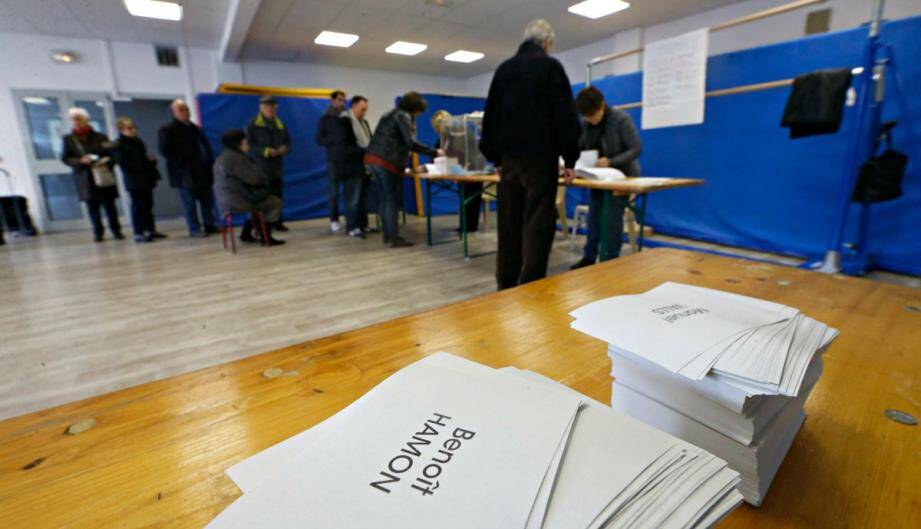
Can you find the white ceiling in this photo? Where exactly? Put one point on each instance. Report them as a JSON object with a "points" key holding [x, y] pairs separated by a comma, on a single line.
{"points": [[283, 30], [201, 26]]}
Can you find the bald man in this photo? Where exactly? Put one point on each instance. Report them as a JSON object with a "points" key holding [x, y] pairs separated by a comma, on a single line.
{"points": [[189, 161]]}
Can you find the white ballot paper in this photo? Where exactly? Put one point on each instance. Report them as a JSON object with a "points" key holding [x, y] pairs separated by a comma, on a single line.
{"points": [[674, 80], [587, 159], [431, 446], [682, 328]]}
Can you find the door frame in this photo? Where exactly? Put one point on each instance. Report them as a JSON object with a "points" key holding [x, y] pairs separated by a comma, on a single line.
{"points": [[66, 99]]}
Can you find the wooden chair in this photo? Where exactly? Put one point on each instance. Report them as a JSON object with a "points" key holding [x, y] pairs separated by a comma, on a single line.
{"points": [[227, 227]]}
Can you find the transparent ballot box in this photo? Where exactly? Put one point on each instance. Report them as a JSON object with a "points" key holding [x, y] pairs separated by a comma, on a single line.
{"points": [[460, 138]]}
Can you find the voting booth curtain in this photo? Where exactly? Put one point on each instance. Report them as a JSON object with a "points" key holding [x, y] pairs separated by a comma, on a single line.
{"points": [[764, 190], [444, 203], [306, 181]]}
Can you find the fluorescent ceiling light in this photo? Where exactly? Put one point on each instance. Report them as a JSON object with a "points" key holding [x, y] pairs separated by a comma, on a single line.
{"points": [[464, 56], [406, 48], [154, 9], [331, 38], [36, 100], [598, 8]]}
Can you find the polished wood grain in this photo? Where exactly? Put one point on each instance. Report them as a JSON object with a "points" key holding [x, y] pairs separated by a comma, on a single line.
{"points": [[155, 458]]}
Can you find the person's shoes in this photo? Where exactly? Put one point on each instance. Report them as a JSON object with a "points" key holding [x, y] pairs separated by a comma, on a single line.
{"points": [[385, 239], [281, 227], [400, 242], [334, 226], [119, 236], [246, 232], [581, 264], [198, 234], [275, 242], [99, 237], [372, 230], [157, 235], [143, 238], [211, 230], [357, 233]]}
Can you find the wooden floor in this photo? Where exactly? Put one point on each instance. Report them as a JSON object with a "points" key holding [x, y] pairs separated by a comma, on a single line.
{"points": [[80, 319]]}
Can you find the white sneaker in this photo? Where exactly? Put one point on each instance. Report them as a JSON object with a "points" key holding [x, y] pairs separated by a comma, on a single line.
{"points": [[334, 226]]}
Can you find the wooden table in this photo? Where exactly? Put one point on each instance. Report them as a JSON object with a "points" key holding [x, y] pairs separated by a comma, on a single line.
{"points": [[634, 186], [157, 455]]}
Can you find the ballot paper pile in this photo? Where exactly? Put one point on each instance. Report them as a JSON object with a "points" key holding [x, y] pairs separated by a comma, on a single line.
{"points": [[725, 372], [449, 443]]}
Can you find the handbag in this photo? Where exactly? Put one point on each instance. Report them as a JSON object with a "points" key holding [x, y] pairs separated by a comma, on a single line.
{"points": [[102, 173], [880, 177]]}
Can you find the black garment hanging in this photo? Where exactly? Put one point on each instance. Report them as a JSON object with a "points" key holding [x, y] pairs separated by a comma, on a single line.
{"points": [[880, 177], [816, 102]]}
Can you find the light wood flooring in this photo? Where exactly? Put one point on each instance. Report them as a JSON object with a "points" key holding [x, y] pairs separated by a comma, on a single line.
{"points": [[79, 319]]}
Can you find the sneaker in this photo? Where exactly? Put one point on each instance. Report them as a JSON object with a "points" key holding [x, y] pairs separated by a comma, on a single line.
{"points": [[372, 230], [143, 238], [157, 235], [357, 233], [400, 242], [581, 264], [334, 226]]}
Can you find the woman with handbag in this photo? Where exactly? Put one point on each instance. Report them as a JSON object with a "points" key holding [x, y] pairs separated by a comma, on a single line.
{"points": [[241, 187], [88, 154], [139, 168]]}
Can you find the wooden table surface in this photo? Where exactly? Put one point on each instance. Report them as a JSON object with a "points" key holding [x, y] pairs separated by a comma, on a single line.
{"points": [[156, 457], [629, 186]]}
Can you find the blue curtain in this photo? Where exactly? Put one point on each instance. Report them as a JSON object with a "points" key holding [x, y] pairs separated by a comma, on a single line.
{"points": [[763, 190]]}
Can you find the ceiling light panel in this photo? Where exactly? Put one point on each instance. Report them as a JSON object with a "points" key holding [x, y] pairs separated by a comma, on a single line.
{"points": [[332, 38], [464, 56], [154, 9], [598, 8], [406, 48]]}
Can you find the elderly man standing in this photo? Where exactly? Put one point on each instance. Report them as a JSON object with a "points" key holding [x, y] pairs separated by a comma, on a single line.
{"points": [[529, 122], [269, 143], [189, 161]]}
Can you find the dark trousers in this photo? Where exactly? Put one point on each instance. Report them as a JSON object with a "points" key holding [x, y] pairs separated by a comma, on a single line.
{"points": [[615, 223], [354, 190], [142, 219], [276, 183], [94, 207], [335, 180], [527, 219], [388, 187], [203, 198], [473, 205]]}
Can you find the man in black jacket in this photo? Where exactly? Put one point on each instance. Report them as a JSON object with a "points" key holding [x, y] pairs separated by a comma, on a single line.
{"points": [[331, 134], [189, 161], [269, 142], [529, 122], [611, 133], [139, 169]]}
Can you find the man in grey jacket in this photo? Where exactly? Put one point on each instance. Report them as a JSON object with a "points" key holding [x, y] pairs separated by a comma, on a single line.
{"points": [[610, 132]]}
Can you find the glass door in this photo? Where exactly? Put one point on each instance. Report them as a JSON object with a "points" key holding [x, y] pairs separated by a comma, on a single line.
{"points": [[43, 118]]}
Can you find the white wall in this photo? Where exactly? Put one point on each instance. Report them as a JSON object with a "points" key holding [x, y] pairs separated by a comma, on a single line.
{"points": [[787, 26], [379, 86], [27, 64]]}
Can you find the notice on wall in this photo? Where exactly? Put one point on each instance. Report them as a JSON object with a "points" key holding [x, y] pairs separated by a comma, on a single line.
{"points": [[674, 80]]}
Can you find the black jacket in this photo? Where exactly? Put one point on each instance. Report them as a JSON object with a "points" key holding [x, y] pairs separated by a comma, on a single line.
{"points": [[395, 137], [262, 135], [189, 158], [620, 143], [138, 170], [332, 134], [353, 155], [74, 149], [530, 111]]}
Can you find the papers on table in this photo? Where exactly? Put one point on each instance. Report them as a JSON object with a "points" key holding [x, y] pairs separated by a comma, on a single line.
{"points": [[450, 443], [587, 159], [603, 174], [725, 372]]}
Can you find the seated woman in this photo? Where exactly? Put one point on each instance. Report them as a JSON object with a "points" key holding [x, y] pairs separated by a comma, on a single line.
{"points": [[241, 187]]}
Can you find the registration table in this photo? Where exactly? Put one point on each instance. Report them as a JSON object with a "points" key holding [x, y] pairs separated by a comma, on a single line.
{"points": [[157, 454], [634, 186]]}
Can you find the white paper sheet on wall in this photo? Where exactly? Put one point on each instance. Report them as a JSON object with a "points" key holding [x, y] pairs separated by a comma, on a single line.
{"points": [[674, 80]]}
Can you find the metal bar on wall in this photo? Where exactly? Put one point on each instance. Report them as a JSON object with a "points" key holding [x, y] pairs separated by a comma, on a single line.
{"points": [[725, 25]]}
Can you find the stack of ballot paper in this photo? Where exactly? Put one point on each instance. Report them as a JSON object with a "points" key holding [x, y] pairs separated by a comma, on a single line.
{"points": [[449, 443], [725, 372]]}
